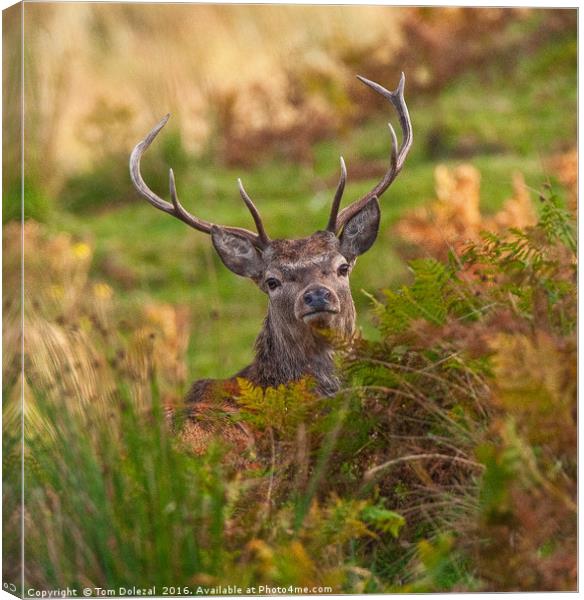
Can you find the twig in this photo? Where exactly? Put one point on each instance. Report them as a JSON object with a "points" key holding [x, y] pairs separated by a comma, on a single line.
{"points": [[272, 471], [371, 472]]}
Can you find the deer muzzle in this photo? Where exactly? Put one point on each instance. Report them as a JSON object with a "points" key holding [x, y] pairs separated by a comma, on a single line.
{"points": [[317, 305]]}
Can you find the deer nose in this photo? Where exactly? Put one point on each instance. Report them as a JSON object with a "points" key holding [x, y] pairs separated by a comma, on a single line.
{"points": [[317, 298]]}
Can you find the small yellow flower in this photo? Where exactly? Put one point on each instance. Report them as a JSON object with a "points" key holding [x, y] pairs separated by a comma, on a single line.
{"points": [[85, 323], [102, 291], [56, 291], [81, 250]]}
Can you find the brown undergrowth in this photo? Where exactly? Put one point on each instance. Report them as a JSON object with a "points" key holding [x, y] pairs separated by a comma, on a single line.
{"points": [[454, 218], [500, 318]]}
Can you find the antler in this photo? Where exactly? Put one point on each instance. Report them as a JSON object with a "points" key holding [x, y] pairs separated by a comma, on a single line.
{"points": [[176, 209], [396, 161], [332, 223]]}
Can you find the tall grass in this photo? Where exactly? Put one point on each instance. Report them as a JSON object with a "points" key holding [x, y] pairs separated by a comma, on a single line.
{"points": [[113, 502], [98, 76], [244, 83]]}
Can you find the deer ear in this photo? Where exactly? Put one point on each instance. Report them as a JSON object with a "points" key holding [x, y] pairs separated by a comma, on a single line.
{"points": [[360, 231], [237, 253]]}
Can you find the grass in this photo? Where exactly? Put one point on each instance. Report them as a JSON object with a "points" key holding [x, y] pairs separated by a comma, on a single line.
{"points": [[128, 506]]}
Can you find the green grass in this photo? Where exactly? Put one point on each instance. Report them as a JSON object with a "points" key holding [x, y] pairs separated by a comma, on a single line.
{"points": [[131, 485]]}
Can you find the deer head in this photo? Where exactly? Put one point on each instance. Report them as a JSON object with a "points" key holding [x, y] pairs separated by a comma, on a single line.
{"points": [[306, 280]]}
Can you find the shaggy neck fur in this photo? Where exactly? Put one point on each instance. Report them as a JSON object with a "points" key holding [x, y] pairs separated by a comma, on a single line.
{"points": [[287, 352]]}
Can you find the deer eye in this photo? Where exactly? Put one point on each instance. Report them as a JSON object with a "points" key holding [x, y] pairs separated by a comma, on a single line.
{"points": [[343, 270], [273, 283]]}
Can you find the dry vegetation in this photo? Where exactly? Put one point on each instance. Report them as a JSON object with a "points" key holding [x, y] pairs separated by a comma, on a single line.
{"points": [[88, 94], [454, 218]]}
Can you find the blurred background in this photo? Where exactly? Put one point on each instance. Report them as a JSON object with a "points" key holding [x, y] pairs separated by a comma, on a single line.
{"points": [[269, 94]]}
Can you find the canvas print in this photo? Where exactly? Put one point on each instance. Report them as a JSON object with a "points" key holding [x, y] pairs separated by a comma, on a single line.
{"points": [[289, 299]]}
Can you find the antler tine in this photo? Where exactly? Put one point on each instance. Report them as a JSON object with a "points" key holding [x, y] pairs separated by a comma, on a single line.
{"points": [[175, 208], [135, 174], [394, 149], [179, 210], [263, 236], [337, 199], [398, 155]]}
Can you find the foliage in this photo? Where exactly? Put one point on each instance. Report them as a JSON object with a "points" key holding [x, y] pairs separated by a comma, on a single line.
{"points": [[115, 491], [455, 216], [446, 463], [30, 199], [107, 183], [537, 266], [283, 408]]}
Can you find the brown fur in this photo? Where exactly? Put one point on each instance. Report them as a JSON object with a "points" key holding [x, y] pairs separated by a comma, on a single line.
{"points": [[209, 416]]}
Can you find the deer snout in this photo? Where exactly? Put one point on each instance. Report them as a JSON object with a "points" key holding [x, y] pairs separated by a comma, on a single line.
{"points": [[317, 299], [316, 303]]}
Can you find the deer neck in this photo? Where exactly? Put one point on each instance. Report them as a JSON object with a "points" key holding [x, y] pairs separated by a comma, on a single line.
{"points": [[286, 352]]}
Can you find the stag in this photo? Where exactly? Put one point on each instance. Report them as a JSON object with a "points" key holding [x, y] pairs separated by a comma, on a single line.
{"points": [[306, 280]]}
